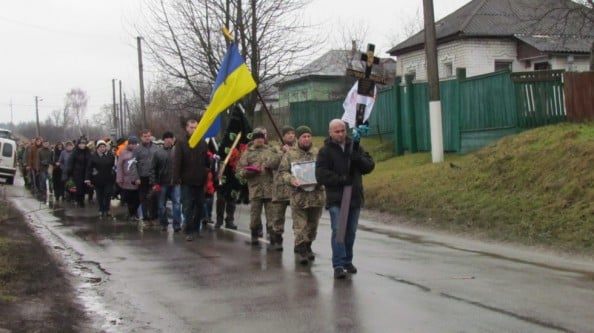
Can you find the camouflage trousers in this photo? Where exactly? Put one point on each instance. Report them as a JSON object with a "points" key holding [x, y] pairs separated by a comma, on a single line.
{"points": [[279, 209], [305, 223], [256, 206]]}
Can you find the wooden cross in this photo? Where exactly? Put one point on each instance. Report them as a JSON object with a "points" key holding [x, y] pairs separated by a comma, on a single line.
{"points": [[366, 80]]}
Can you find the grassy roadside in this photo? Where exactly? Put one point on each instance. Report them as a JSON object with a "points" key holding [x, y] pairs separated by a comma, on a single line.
{"points": [[534, 188]]}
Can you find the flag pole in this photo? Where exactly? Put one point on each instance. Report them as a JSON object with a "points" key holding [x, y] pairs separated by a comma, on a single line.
{"points": [[229, 38], [280, 136], [228, 157]]}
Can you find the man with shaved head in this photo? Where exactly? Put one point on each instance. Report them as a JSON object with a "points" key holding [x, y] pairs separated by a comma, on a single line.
{"points": [[342, 162]]}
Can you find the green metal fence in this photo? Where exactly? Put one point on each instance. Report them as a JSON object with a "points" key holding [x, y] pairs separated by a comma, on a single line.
{"points": [[539, 98], [475, 111]]}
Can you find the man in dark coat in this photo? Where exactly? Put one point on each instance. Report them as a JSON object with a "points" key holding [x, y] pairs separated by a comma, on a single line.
{"points": [[190, 169], [342, 162], [77, 169], [100, 175], [160, 175]]}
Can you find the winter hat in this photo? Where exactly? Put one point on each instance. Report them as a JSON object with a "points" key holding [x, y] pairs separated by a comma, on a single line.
{"points": [[82, 140], [258, 135], [167, 135], [132, 140], [101, 142], [302, 130], [287, 129]]}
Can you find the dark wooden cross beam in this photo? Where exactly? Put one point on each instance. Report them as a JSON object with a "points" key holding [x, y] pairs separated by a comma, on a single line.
{"points": [[366, 80], [366, 84]]}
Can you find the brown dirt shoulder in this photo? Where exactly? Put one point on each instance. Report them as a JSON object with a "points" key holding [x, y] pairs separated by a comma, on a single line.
{"points": [[36, 295]]}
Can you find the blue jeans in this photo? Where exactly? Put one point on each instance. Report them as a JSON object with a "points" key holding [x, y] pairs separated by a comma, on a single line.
{"points": [[342, 253], [43, 176], [173, 193], [192, 197]]}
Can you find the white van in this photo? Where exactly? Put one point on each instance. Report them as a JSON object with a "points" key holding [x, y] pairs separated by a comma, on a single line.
{"points": [[8, 160], [6, 134]]}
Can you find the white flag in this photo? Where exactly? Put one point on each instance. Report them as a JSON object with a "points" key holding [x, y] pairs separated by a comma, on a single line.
{"points": [[350, 105]]}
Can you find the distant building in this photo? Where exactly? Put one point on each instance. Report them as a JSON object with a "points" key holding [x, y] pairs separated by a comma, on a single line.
{"points": [[324, 79], [490, 35]]}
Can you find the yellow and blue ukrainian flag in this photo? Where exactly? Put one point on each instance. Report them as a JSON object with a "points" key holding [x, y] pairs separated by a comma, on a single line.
{"points": [[234, 81]]}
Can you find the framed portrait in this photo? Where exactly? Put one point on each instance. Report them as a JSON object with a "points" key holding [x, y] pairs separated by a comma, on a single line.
{"points": [[305, 172]]}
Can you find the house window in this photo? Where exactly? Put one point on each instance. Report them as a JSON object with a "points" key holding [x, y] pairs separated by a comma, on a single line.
{"points": [[412, 73], [503, 65], [542, 66], [448, 69]]}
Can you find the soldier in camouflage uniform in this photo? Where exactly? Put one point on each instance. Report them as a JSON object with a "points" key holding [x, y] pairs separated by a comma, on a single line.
{"points": [[281, 191], [254, 167], [307, 199]]}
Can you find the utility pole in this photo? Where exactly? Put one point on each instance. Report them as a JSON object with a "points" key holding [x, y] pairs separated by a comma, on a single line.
{"points": [[433, 79], [126, 116], [11, 117], [142, 108], [121, 113], [37, 99], [115, 114]]}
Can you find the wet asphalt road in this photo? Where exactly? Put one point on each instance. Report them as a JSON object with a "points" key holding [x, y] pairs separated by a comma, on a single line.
{"points": [[134, 279]]}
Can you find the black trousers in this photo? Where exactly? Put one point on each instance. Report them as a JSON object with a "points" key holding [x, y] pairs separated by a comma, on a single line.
{"points": [[131, 199], [104, 193]]}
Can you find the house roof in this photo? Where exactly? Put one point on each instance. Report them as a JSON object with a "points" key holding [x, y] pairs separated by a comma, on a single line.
{"points": [[554, 44], [330, 65], [512, 18]]}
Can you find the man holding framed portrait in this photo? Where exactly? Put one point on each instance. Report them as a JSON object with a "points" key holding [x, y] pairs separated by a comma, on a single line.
{"points": [[297, 168]]}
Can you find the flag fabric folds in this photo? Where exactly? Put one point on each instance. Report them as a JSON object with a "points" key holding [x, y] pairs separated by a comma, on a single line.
{"points": [[234, 81], [350, 105]]}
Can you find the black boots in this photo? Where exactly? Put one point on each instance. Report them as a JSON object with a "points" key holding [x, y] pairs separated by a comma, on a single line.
{"points": [[301, 254], [256, 233], [310, 255], [276, 242]]}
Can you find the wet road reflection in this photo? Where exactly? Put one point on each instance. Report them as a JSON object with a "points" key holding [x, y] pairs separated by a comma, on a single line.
{"points": [[145, 279]]}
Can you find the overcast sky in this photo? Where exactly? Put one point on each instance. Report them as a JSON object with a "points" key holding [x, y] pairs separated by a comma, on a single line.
{"points": [[52, 46]]}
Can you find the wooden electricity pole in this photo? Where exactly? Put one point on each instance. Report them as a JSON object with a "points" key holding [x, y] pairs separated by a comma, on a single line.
{"points": [[433, 79], [115, 113], [121, 114], [38, 131], [141, 78]]}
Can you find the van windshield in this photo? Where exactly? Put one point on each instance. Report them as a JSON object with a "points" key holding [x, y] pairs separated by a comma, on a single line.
{"points": [[6, 134]]}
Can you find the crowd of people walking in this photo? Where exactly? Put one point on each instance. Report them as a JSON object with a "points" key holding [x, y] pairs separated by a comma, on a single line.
{"points": [[145, 174]]}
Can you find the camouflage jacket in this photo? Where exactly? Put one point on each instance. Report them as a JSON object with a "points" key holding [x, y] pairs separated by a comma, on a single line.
{"points": [[281, 191], [259, 182], [302, 196]]}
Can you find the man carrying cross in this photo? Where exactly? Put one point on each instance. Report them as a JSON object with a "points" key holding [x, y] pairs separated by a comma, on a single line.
{"points": [[333, 172], [340, 166]]}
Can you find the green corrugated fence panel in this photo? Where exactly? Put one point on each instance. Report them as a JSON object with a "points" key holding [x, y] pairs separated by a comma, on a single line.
{"points": [[540, 98], [315, 114], [383, 117], [487, 102], [421, 111]]}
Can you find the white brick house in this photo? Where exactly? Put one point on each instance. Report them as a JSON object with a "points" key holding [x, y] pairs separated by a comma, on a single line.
{"points": [[489, 35]]}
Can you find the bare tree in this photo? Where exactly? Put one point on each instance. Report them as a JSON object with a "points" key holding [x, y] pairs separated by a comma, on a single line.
{"points": [[410, 25], [57, 118], [184, 39], [75, 105]]}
